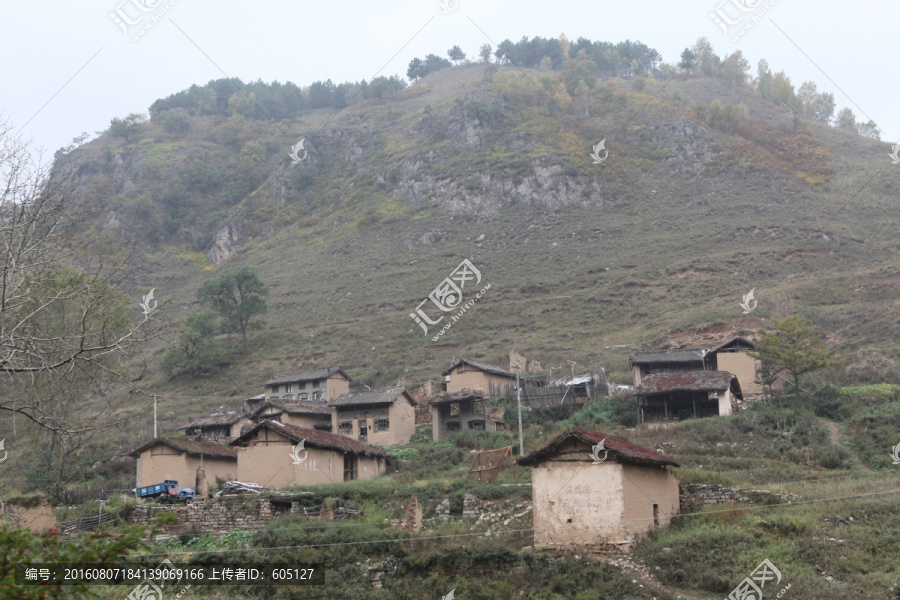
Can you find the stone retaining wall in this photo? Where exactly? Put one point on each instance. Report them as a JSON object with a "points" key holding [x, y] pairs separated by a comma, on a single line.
{"points": [[694, 496], [216, 515]]}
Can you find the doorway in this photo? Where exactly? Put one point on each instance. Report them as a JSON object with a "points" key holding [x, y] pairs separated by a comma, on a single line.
{"points": [[350, 466]]}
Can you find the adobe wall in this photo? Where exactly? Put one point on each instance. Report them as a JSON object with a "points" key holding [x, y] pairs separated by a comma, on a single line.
{"points": [[37, 515], [577, 504]]}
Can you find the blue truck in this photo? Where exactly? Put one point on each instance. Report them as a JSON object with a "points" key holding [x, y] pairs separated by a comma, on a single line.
{"points": [[166, 491]]}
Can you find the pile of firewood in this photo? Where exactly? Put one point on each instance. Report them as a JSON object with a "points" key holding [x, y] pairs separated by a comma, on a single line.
{"points": [[237, 488]]}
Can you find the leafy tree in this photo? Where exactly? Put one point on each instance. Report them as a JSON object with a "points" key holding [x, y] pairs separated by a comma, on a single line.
{"points": [[826, 107], [688, 60], [20, 546], [764, 79], [237, 297], [319, 93], [416, 69], [783, 91], [242, 103], [726, 116], [176, 120], [846, 120], [126, 128], [433, 63], [869, 130], [736, 68], [794, 346], [484, 53], [197, 351], [456, 54], [707, 61], [809, 98]]}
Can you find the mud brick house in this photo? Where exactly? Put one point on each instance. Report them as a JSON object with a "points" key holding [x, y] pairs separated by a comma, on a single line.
{"points": [[732, 356], [218, 426], [178, 458], [603, 505], [266, 456], [321, 385], [291, 412], [468, 374], [382, 417], [664, 361], [463, 410], [671, 397]]}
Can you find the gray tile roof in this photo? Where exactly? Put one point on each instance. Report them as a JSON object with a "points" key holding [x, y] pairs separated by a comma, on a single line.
{"points": [[296, 408], [667, 356], [191, 447], [371, 397], [738, 342], [619, 447], [314, 439], [687, 381], [226, 418], [482, 366], [305, 376]]}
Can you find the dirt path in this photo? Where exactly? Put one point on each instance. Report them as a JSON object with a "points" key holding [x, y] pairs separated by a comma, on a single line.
{"points": [[835, 429], [640, 573]]}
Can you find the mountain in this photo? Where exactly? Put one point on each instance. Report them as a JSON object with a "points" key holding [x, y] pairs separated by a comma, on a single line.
{"points": [[708, 191]]}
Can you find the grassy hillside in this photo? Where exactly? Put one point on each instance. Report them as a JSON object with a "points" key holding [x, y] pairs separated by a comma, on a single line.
{"points": [[654, 246]]}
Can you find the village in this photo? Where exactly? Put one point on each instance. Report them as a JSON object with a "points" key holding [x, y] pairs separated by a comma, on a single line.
{"points": [[590, 491]]}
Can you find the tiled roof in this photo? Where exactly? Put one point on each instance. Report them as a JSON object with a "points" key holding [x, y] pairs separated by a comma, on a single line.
{"points": [[624, 450], [737, 342], [192, 447], [449, 397], [371, 397], [314, 439], [687, 381], [296, 408], [227, 418], [482, 366], [305, 376], [667, 356]]}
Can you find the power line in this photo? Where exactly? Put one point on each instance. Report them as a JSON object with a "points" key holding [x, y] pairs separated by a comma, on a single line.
{"points": [[491, 533]]}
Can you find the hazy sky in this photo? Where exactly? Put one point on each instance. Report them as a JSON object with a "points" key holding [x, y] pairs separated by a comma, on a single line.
{"points": [[69, 67]]}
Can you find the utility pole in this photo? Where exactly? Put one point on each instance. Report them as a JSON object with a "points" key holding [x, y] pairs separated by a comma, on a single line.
{"points": [[154, 416], [519, 406]]}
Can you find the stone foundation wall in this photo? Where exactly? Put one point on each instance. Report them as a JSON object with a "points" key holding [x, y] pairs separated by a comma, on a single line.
{"points": [[694, 496], [215, 515]]}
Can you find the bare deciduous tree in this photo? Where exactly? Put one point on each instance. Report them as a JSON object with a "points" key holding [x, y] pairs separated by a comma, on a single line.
{"points": [[65, 328]]}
